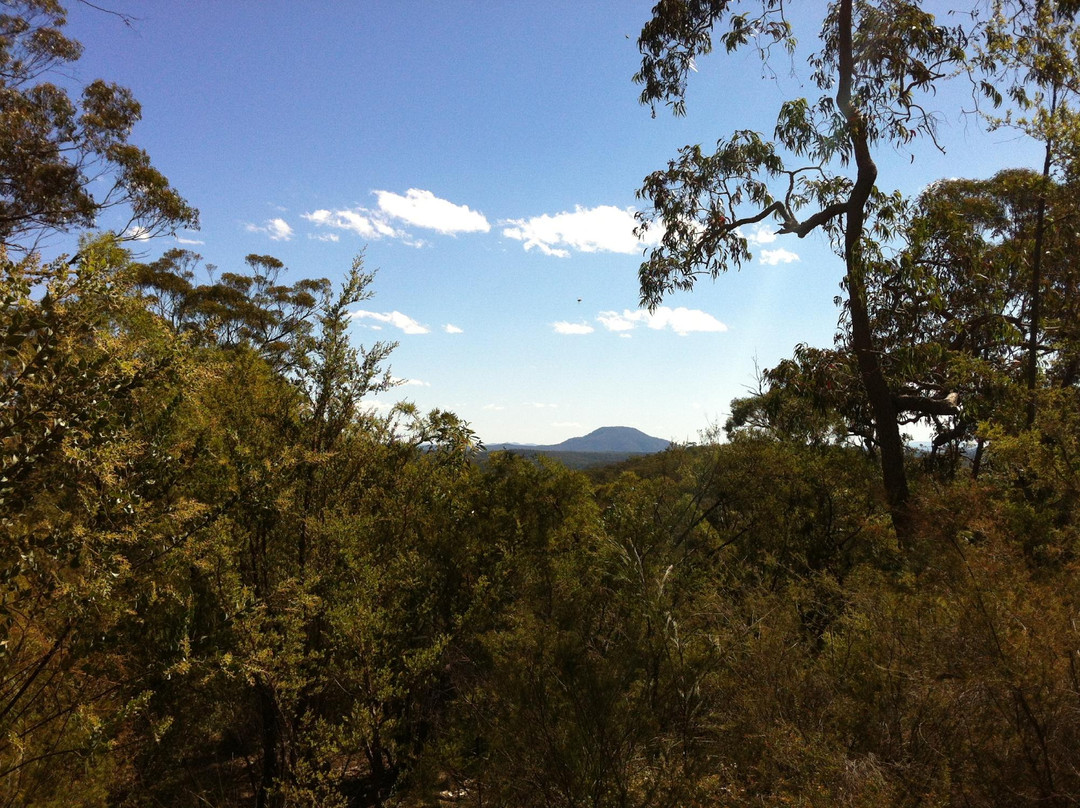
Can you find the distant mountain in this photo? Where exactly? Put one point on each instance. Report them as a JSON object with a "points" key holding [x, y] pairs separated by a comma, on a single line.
{"points": [[614, 439]]}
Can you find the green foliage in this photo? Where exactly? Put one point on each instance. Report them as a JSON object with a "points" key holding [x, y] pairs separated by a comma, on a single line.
{"points": [[959, 305], [953, 310], [681, 30], [223, 581], [254, 310], [52, 147], [876, 63], [897, 54], [813, 399], [227, 583], [87, 508]]}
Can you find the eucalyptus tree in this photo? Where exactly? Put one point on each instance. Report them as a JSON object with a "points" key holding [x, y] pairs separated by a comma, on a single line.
{"points": [[959, 310], [253, 309], [814, 399], [876, 64], [1027, 54], [63, 162]]}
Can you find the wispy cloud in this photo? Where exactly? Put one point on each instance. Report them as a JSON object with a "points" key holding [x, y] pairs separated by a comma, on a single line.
{"points": [[279, 230], [375, 407], [563, 327], [761, 234], [394, 318], [605, 228], [137, 233], [358, 220], [411, 383], [494, 407], [778, 256], [417, 208], [613, 321], [681, 320], [450, 328], [276, 229], [324, 237]]}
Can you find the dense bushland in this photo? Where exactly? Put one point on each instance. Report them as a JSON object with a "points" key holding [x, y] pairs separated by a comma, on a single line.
{"points": [[225, 581]]}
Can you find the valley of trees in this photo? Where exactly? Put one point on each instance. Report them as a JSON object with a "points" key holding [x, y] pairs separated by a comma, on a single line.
{"points": [[223, 581]]}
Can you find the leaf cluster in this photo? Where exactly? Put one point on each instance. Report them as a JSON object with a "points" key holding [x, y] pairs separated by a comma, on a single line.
{"points": [[54, 150]]}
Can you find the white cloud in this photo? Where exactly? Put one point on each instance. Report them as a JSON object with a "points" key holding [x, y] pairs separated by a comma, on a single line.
{"points": [[394, 318], [681, 320], [411, 383], [761, 234], [377, 407], [605, 228], [495, 407], [277, 229], [417, 207], [613, 321], [539, 405], [324, 237], [359, 221], [424, 209], [189, 241], [778, 256], [137, 233], [563, 327], [450, 328]]}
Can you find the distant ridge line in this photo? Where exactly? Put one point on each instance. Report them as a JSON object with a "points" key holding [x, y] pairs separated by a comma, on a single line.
{"points": [[606, 439]]}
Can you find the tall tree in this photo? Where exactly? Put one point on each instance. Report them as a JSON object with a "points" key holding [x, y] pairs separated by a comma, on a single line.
{"points": [[965, 292], [876, 61], [252, 309], [55, 151], [1031, 49]]}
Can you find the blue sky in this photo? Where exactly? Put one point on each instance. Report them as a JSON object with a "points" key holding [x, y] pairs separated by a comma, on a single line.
{"points": [[484, 156]]}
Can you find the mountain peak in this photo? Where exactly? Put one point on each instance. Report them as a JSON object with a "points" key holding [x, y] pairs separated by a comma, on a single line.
{"points": [[613, 439]]}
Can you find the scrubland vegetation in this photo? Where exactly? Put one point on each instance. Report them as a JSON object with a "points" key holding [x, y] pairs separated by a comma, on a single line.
{"points": [[224, 582]]}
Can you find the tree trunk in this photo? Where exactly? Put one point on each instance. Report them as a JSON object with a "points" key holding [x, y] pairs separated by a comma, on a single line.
{"points": [[874, 384], [1035, 285], [889, 441], [271, 746]]}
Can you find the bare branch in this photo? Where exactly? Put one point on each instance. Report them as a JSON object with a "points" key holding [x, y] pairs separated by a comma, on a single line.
{"points": [[801, 229], [927, 406]]}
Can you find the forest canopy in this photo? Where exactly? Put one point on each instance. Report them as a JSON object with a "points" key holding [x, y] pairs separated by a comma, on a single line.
{"points": [[225, 580]]}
